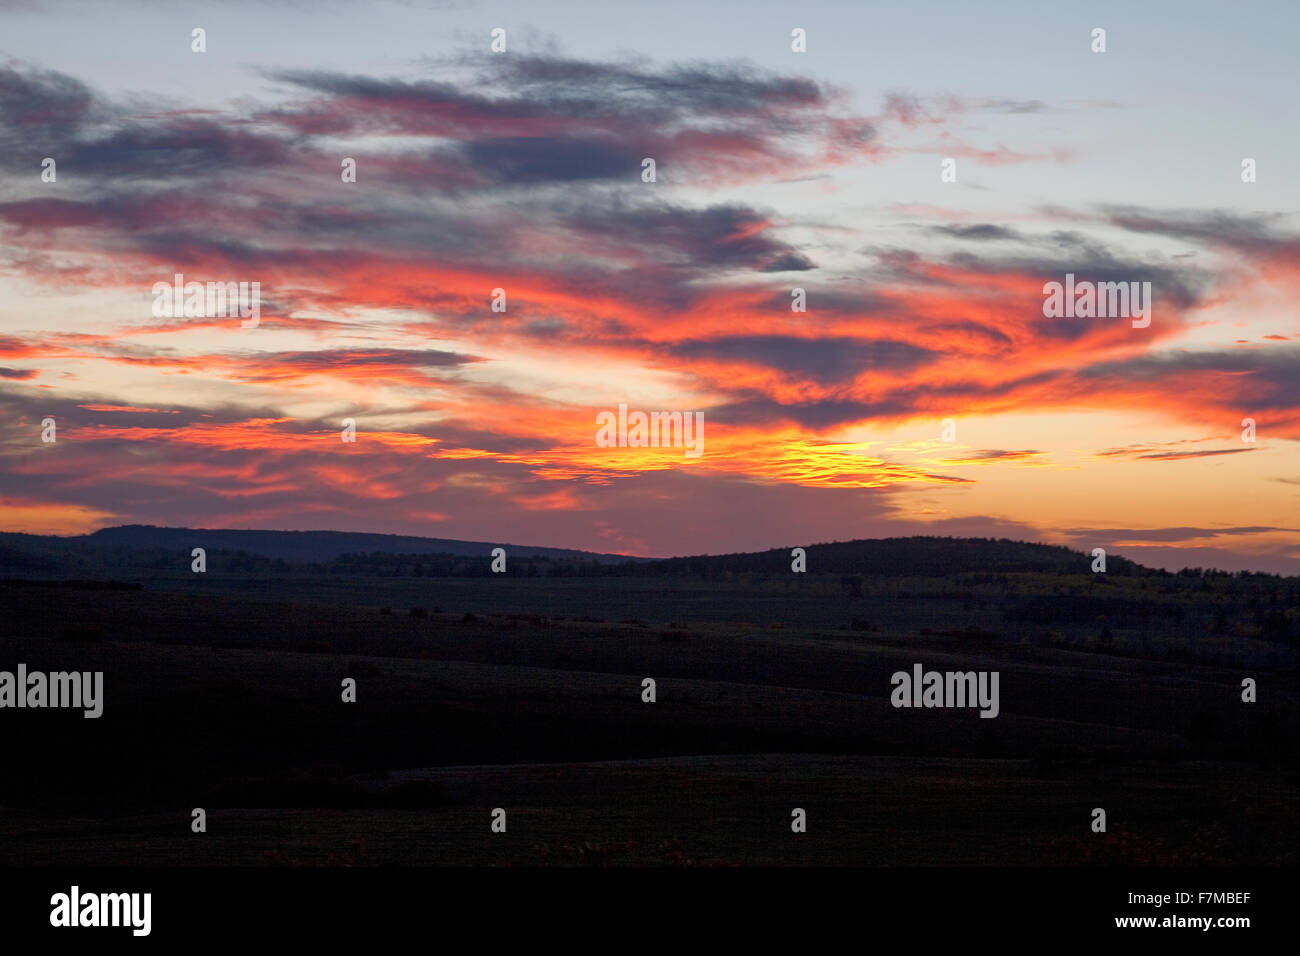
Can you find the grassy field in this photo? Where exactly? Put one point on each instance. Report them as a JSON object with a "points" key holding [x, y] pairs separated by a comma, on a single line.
{"points": [[224, 692]]}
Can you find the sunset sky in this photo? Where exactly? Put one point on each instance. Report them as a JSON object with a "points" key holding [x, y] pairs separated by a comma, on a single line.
{"points": [[522, 170]]}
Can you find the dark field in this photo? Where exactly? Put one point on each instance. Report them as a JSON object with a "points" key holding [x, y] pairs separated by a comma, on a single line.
{"points": [[222, 691]]}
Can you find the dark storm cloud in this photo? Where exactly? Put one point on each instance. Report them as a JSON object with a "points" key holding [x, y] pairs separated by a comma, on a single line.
{"points": [[727, 236], [44, 104], [995, 338], [828, 360], [789, 262], [1271, 373], [31, 405], [1249, 233], [1181, 286], [750, 408], [978, 231], [531, 159], [179, 148], [701, 87], [533, 87]]}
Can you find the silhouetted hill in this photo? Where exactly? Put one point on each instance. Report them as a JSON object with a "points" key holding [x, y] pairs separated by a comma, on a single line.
{"points": [[309, 547], [908, 557], [342, 553]]}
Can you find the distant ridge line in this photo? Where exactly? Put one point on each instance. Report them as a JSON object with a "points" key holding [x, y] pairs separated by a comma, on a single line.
{"points": [[925, 556]]}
